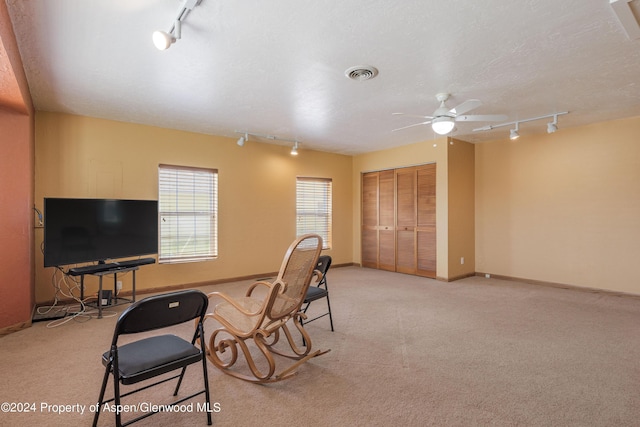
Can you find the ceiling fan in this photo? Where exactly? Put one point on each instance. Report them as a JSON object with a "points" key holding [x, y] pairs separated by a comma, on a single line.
{"points": [[444, 118]]}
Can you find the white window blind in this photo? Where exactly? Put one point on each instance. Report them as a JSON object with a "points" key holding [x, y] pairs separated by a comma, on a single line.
{"points": [[313, 208], [188, 214]]}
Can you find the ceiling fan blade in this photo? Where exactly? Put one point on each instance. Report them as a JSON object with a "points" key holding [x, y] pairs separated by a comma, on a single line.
{"points": [[482, 118], [412, 115], [467, 105], [413, 125]]}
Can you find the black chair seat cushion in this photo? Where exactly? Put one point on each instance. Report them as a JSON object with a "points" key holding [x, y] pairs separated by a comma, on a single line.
{"points": [[314, 293], [153, 356]]}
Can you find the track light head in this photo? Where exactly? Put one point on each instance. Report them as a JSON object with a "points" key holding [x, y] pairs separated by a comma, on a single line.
{"points": [[553, 126], [243, 139], [514, 134], [162, 40], [294, 149]]}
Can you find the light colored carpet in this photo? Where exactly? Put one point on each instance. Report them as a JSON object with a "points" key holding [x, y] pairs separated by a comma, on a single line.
{"points": [[406, 351]]}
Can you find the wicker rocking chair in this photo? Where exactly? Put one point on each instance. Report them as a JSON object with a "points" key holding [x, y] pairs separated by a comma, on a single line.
{"points": [[254, 323]]}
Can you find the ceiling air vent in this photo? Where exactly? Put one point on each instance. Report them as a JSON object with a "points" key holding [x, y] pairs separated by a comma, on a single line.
{"points": [[361, 72]]}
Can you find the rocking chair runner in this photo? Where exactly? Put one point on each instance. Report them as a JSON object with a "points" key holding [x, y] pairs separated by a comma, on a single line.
{"points": [[253, 322]]}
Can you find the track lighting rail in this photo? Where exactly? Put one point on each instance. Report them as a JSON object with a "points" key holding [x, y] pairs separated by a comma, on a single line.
{"points": [[517, 122], [245, 137]]}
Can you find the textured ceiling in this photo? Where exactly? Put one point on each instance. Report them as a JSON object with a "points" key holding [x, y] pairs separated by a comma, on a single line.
{"points": [[277, 67]]}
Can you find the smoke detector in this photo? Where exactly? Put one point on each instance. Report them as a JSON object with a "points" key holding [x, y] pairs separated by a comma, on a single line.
{"points": [[361, 72]]}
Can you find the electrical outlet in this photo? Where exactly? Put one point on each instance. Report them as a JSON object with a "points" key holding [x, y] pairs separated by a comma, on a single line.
{"points": [[119, 285], [488, 276], [461, 260]]}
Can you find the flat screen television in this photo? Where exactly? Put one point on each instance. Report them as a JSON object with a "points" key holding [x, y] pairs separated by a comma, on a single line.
{"points": [[86, 230]]}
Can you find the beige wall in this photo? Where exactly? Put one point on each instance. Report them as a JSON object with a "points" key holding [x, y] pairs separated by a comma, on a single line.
{"points": [[434, 151], [87, 157], [461, 212], [563, 207]]}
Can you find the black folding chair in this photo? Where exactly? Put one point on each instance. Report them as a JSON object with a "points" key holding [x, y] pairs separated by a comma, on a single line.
{"points": [[157, 355], [320, 290]]}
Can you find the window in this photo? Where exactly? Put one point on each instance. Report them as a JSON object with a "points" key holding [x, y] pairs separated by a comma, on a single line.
{"points": [[313, 208], [188, 214]]}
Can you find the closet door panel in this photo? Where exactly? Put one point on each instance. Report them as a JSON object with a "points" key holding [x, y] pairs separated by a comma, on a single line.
{"points": [[370, 199], [427, 196], [369, 247], [406, 253], [426, 247], [387, 255], [387, 203], [406, 197], [369, 232]]}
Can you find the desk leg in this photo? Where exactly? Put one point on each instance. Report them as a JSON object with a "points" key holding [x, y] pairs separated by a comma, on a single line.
{"points": [[133, 293], [82, 288], [100, 297]]}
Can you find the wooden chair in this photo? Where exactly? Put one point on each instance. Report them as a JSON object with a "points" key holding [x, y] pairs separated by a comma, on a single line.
{"points": [[255, 322]]}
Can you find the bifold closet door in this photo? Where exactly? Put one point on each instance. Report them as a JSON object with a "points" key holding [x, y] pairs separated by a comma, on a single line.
{"points": [[398, 220], [369, 232], [386, 233], [406, 194], [378, 219], [426, 221]]}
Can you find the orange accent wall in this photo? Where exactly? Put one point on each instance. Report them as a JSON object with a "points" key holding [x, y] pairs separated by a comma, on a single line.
{"points": [[16, 226], [16, 184]]}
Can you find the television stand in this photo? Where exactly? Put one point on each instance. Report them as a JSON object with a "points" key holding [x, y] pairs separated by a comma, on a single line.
{"points": [[101, 270]]}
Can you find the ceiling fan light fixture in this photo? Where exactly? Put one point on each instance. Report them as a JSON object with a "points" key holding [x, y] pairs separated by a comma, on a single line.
{"points": [[443, 121], [442, 125]]}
